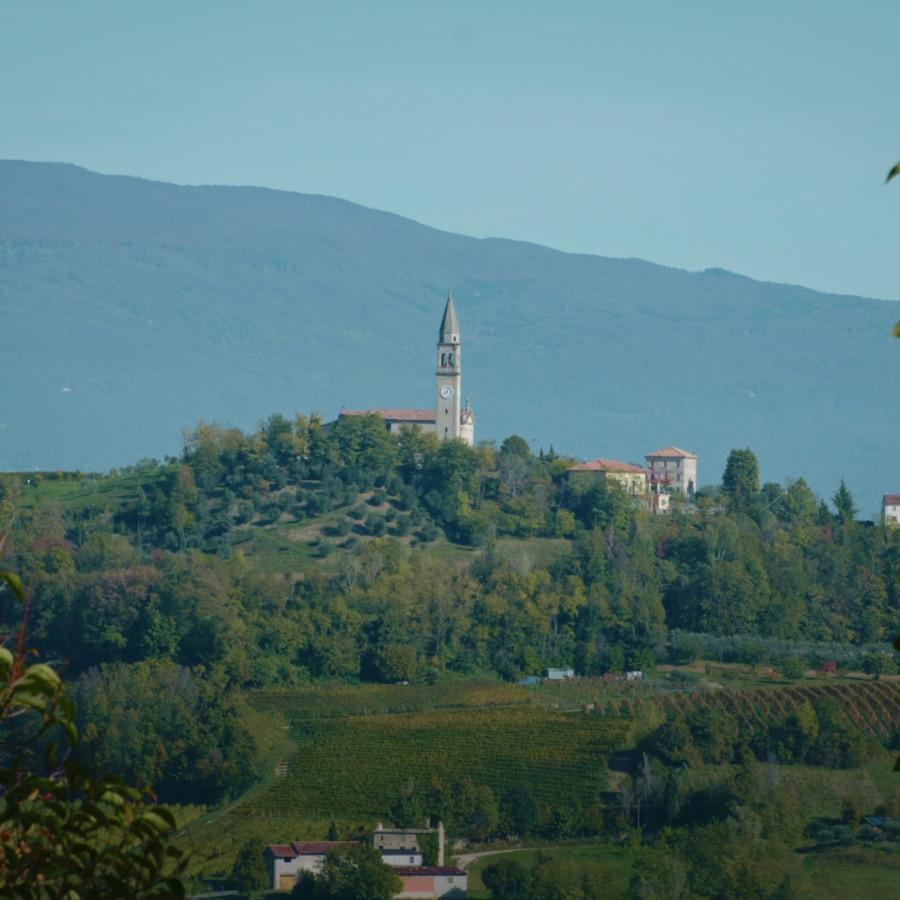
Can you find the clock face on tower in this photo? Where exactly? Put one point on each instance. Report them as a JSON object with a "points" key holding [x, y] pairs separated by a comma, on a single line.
{"points": [[446, 392]]}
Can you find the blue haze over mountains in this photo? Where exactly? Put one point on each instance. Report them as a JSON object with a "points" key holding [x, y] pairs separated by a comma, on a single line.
{"points": [[157, 305]]}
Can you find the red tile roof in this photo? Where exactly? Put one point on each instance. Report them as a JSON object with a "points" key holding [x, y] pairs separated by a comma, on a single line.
{"points": [[671, 452], [891, 500], [606, 465], [404, 415], [428, 870], [304, 848]]}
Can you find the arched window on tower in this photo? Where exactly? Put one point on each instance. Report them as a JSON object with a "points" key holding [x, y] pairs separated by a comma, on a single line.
{"points": [[443, 359], [451, 359]]}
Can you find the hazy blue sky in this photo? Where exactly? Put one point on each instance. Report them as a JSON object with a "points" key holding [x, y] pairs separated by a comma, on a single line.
{"points": [[754, 137]]}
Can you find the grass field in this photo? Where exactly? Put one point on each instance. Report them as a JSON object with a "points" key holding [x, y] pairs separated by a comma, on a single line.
{"points": [[111, 492], [617, 859], [358, 766], [822, 791], [855, 874], [374, 699]]}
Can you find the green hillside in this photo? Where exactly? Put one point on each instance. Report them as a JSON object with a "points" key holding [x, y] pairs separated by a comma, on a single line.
{"points": [[137, 308]]}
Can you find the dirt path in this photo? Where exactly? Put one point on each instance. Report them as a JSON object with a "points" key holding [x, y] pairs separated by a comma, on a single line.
{"points": [[467, 859]]}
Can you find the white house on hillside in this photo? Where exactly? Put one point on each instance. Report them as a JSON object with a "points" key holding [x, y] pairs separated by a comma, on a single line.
{"points": [[285, 862], [673, 468], [890, 509]]}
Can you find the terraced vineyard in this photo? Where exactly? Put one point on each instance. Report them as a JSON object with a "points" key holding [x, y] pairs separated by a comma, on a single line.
{"points": [[296, 704], [872, 707], [358, 766]]}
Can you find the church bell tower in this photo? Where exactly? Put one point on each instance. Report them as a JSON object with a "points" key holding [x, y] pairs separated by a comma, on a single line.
{"points": [[449, 378]]}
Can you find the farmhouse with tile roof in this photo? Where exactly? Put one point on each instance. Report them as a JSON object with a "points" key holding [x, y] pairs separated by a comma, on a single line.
{"points": [[284, 862], [632, 478]]}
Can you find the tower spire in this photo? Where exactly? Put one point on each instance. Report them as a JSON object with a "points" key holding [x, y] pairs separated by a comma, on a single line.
{"points": [[449, 326]]}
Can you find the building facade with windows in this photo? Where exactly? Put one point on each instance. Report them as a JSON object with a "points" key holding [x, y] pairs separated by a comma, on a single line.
{"points": [[432, 881], [284, 862], [632, 478], [890, 509], [673, 469]]}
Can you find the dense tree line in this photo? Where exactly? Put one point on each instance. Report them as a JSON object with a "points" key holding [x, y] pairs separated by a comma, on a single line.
{"points": [[157, 593]]}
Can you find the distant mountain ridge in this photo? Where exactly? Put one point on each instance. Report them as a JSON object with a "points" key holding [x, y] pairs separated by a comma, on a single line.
{"points": [[156, 305]]}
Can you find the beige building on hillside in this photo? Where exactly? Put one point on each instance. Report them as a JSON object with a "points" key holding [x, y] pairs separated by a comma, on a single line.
{"points": [[673, 469], [449, 418], [890, 509], [632, 478]]}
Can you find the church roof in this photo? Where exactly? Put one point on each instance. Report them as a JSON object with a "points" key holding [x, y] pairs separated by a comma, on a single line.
{"points": [[402, 415], [670, 452], [449, 325], [606, 465]]}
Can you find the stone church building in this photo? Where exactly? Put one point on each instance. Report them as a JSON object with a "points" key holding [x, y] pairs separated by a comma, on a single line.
{"points": [[449, 419]]}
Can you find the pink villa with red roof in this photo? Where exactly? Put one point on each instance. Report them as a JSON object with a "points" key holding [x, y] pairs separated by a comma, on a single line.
{"points": [[890, 509]]}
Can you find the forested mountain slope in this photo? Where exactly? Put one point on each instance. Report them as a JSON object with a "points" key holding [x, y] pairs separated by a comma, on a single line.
{"points": [[131, 309]]}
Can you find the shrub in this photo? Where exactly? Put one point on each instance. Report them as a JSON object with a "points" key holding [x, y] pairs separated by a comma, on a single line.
{"points": [[403, 525], [376, 525], [851, 811], [684, 651], [793, 668], [429, 532]]}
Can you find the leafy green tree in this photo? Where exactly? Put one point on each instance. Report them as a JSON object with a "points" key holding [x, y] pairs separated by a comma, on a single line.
{"points": [[793, 738], [249, 873], [519, 810], [364, 442], [515, 446], [740, 481], [349, 872], [506, 879], [74, 832], [730, 598], [793, 668], [878, 664], [484, 816], [798, 504]]}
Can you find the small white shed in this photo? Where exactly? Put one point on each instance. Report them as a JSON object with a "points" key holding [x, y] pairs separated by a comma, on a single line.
{"points": [[558, 674]]}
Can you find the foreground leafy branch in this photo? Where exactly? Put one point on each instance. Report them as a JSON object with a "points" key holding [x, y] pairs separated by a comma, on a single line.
{"points": [[70, 831]]}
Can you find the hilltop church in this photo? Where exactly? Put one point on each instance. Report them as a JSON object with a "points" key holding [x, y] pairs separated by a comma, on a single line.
{"points": [[448, 419]]}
